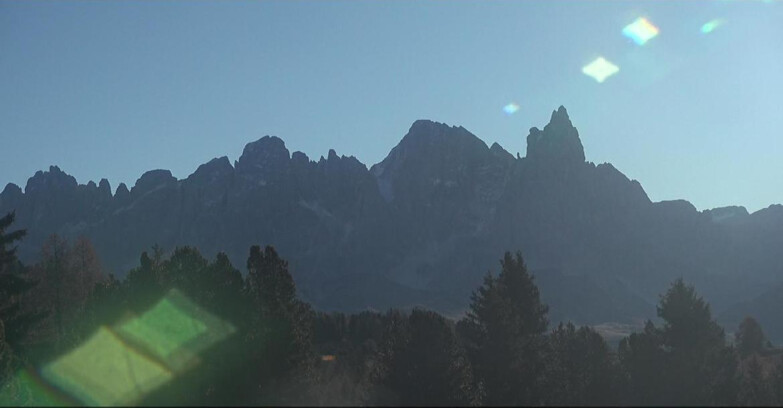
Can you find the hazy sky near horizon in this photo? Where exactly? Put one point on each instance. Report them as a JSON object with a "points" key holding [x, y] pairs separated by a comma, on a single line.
{"points": [[113, 89]]}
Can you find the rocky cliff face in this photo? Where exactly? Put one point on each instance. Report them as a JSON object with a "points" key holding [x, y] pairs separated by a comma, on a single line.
{"points": [[423, 226]]}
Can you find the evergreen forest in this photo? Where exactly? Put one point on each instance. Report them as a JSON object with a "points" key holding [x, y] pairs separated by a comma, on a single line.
{"points": [[259, 344]]}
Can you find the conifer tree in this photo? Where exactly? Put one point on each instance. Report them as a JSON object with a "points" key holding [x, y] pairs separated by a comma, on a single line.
{"points": [[280, 331], [7, 252], [144, 284], [579, 368], [686, 361], [503, 333], [223, 286], [423, 365], [642, 356], [11, 287], [15, 282]]}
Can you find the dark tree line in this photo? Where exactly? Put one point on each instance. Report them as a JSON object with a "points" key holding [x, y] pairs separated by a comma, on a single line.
{"points": [[501, 352]]}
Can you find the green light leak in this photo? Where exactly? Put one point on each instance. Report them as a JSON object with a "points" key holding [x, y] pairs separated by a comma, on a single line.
{"points": [[120, 365]]}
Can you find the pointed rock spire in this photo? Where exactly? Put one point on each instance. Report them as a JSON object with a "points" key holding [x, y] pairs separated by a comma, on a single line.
{"points": [[122, 193], [558, 142], [104, 188]]}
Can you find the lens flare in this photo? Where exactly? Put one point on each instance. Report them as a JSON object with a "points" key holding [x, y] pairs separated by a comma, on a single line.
{"points": [[175, 331], [105, 371], [600, 69], [165, 328], [511, 108], [710, 26], [120, 365], [640, 31]]}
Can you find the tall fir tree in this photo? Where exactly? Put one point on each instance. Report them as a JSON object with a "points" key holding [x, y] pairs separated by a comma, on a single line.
{"points": [[280, 332], [16, 321], [685, 362], [15, 283], [503, 333], [7, 239], [11, 287]]}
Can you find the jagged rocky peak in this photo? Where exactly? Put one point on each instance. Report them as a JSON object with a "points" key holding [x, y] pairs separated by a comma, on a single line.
{"points": [[428, 141], [54, 179], [11, 192], [11, 189], [299, 158], [619, 182], [153, 179], [218, 164], [426, 126], [675, 209], [213, 170], [342, 161], [770, 215], [722, 214], [90, 188], [122, 192], [266, 153], [499, 151], [104, 188], [428, 133], [300, 162], [558, 142]]}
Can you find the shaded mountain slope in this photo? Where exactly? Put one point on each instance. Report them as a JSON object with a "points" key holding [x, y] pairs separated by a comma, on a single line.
{"points": [[424, 225]]}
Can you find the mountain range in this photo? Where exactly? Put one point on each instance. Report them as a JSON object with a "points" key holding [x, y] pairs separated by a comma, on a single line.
{"points": [[424, 226]]}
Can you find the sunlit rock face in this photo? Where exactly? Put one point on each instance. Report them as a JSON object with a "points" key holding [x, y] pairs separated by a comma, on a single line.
{"points": [[423, 226]]}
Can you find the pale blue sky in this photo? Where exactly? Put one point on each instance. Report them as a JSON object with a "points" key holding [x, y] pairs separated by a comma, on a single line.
{"points": [[112, 89]]}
